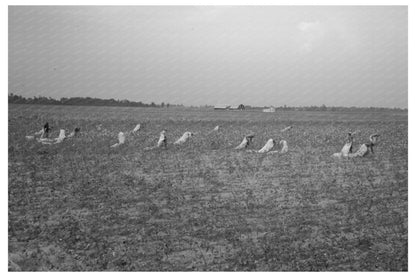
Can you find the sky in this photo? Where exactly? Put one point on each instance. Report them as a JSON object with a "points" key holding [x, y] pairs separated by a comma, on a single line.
{"points": [[212, 55]]}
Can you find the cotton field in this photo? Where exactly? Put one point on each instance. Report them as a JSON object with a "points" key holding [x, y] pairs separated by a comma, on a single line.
{"points": [[149, 189]]}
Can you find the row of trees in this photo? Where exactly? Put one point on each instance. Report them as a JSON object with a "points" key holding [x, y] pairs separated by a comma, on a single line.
{"points": [[325, 108], [322, 108], [346, 109], [80, 101], [88, 101]]}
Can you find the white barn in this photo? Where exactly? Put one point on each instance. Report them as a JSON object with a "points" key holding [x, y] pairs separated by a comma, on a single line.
{"points": [[221, 107], [269, 110]]}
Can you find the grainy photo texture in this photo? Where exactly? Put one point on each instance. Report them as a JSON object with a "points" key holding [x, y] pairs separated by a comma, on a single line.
{"points": [[208, 138]]}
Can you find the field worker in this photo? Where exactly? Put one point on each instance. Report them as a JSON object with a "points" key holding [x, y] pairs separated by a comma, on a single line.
{"points": [[215, 129], [267, 147], [121, 140], [163, 141], [366, 148], [246, 142], [43, 133], [183, 138], [59, 139], [61, 136], [46, 130], [347, 149], [285, 148], [137, 128], [348, 145], [75, 133]]}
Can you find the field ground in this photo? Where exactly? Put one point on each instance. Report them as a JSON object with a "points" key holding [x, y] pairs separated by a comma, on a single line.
{"points": [[83, 206]]}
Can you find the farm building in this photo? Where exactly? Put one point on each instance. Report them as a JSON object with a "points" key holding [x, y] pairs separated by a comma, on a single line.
{"points": [[229, 107], [222, 107], [269, 110], [237, 107]]}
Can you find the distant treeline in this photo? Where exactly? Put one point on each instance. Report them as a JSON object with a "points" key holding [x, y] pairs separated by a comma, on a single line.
{"points": [[333, 109], [88, 101], [81, 101], [322, 108]]}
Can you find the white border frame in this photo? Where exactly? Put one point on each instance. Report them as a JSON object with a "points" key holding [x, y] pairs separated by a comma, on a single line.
{"points": [[4, 112]]}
